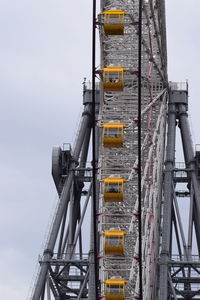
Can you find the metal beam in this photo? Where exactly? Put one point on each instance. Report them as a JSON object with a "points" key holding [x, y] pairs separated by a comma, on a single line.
{"points": [[167, 206]]}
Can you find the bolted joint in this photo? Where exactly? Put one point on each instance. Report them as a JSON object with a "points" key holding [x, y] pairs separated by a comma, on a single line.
{"points": [[87, 113], [48, 252]]}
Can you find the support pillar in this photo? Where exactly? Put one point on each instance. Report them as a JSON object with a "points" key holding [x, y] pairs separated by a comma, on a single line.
{"points": [[167, 207]]}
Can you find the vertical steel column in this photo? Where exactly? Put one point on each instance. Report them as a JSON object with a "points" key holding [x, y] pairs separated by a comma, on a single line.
{"points": [[75, 203], [92, 281], [188, 150], [167, 207], [140, 234], [190, 225], [190, 161], [94, 198]]}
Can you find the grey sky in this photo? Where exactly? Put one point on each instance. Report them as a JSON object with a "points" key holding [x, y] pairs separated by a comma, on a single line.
{"points": [[44, 55]]}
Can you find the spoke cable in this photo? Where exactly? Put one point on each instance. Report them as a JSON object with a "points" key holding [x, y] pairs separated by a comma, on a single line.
{"points": [[94, 198], [139, 147]]}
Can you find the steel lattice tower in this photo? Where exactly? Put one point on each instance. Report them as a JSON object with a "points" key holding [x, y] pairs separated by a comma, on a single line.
{"points": [[65, 271], [180, 244]]}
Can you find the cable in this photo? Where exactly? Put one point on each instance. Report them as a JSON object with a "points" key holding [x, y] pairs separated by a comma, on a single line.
{"points": [[93, 144], [139, 146]]}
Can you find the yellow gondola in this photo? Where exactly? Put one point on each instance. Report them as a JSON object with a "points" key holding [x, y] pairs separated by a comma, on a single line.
{"points": [[113, 134], [114, 22], [113, 78], [113, 189], [114, 242], [115, 289]]}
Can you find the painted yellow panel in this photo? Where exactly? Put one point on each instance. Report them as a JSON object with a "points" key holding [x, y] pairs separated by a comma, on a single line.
{"points": [[113, 78], [114, 242], [115, 289], [114, 22]]}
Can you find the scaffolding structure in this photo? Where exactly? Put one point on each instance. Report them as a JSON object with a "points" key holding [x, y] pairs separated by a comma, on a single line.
{"points": [[170, 262]]}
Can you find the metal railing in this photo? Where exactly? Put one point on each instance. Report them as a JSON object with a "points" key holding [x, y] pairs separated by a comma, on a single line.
{"points": [[88, 85], [193, 258], [178, 86], [76, 256]]}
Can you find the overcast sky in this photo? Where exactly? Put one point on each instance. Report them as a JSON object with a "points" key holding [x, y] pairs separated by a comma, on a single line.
{"points": [[45, 52]]}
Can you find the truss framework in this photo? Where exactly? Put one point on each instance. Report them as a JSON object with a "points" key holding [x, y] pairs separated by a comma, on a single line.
{"points": [[65, 271], [122, 107], [180, 274]]}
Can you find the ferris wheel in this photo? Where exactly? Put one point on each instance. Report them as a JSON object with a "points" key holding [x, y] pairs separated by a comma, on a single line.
{"points": [[64, 273], [118, 151]]}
